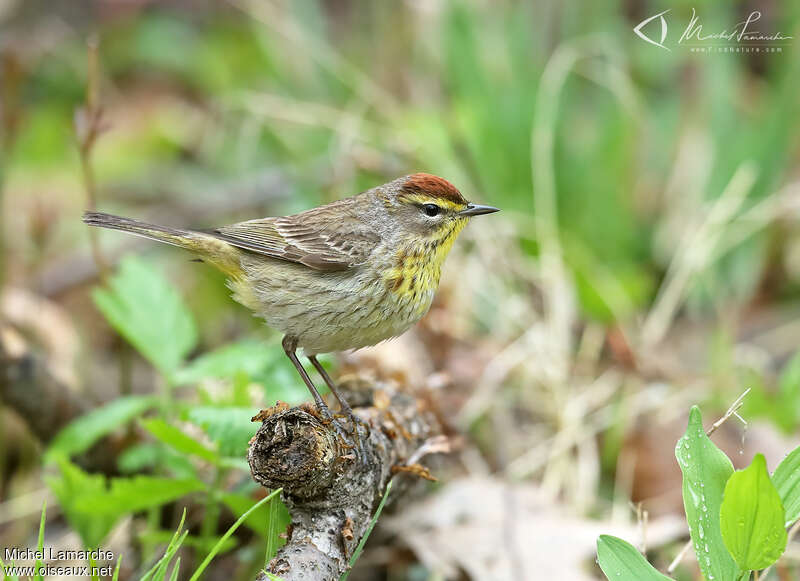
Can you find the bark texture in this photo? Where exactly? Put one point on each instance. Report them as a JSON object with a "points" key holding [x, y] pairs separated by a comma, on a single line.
{"points": [[28, 387], [331, 490]]}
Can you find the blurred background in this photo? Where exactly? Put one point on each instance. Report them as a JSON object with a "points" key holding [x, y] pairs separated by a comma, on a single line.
{"points": [[647, 258]]}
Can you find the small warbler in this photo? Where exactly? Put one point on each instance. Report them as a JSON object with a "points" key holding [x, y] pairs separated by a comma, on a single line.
{"points": [[341, 276]]}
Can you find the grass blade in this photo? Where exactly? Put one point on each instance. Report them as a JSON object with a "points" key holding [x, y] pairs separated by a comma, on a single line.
{"points": [[37, 572], [174, 545], [363, 541], [229, 532]]}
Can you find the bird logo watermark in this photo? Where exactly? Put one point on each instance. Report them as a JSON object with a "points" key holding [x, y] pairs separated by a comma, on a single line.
{"points": [[645, 22]]}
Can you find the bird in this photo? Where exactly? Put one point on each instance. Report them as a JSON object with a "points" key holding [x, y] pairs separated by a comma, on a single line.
{"points": [[342, 276]]}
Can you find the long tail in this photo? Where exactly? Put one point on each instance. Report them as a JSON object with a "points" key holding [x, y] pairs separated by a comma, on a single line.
{"points": [[209, 247]]}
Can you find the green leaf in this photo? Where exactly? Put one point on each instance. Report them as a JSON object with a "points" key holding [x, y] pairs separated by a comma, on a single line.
{"points": [[787, 481], [145, 309], [620, 561], [135, 494], [79, 435], [72, 485], [229, 427], [705, 469], [752, 517], [178, 440], [248, 357], [92, 508]]}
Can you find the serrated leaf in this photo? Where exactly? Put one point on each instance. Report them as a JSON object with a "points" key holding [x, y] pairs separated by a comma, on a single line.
{"points": [[147, 310], [705, 470], [787, 482], [79, 435], [752, 517], [248, 357], [137, 493], [178, 440], [229, 427], [69, 487], [620, 561], [148, 455]]}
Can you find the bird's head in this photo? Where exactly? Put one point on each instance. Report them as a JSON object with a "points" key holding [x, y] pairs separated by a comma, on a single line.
{"points": [[430, 210]]}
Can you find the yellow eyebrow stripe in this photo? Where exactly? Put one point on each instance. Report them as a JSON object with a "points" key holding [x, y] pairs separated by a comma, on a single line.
{"points": [[441, 202]]}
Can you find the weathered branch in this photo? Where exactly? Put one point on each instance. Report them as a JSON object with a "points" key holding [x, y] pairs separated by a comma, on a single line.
{"points": [[29, 387], [331, 490]]}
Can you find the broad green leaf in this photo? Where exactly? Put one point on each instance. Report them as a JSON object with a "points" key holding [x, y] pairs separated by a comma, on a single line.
{"points": [[70, 487], [268, 521], [145, 309], [81, 433], [229, 427], [139, 457], [135, 494], [620, 561], [248, 357], [705, 469], [149, 455], [787, 481], [178, 440], [92, 508], [752, 517]]}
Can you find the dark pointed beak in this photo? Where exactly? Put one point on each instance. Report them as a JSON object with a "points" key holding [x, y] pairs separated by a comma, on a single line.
{"points": [[477, 210]]}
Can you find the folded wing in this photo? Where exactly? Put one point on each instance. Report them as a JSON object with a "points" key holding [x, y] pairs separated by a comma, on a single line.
{"points": [[325, 238]]}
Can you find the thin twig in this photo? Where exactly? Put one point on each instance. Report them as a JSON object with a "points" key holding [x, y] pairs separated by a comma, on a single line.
{"points": [[679, 557], [732, 411], [88, 126]]}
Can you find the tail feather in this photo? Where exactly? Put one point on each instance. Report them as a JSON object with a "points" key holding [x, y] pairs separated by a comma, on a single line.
{"points": [[175, 236], [217, 252]]}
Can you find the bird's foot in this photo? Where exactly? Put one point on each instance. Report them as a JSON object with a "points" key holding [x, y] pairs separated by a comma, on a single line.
{"points": [[357, 424]]}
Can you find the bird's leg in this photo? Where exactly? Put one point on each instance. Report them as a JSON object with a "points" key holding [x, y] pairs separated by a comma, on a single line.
{"points": [[346, 409], [290, 348]]}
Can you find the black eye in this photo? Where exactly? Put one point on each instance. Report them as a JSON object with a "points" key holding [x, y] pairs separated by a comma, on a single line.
{"points": [[431, 210]]}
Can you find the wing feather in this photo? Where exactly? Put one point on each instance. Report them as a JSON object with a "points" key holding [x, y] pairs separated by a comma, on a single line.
{"points": [[327, 238]]}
